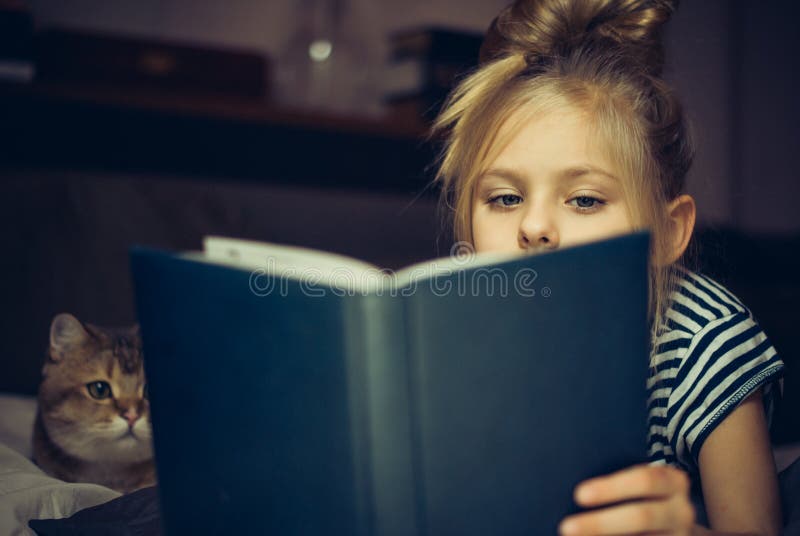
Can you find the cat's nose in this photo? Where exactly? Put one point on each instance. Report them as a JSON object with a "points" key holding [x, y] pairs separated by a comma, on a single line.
{"points": [[131, 416]]}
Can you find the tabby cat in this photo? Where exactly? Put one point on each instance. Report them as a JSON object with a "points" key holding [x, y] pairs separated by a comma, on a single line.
{"points": [[93, 421]]}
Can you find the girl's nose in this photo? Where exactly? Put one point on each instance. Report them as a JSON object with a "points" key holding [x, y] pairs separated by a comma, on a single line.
{"points": [[538, 230]]}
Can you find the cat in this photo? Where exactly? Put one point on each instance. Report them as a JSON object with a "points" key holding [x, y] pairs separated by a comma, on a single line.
{"points": [[93, 416]]}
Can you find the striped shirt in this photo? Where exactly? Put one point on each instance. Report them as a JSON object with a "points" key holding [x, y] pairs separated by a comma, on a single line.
{"points": [[712, 355]]}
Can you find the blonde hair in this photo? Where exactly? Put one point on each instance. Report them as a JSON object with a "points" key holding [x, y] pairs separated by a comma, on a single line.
{"points": [[601, 57]]}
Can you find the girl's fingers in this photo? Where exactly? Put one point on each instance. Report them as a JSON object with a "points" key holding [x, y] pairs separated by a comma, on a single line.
{"points": [[670, 516], [639, 482]]}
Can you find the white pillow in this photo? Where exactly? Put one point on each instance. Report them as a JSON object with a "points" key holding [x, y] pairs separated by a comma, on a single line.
{"points": [[26, 492], [17, 413]]}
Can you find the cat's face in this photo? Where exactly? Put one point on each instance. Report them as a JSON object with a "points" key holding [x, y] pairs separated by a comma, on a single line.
{"points": [[93, 394]]}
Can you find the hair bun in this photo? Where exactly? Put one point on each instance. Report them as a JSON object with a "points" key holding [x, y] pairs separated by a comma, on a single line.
{"points": [[539, 29]]}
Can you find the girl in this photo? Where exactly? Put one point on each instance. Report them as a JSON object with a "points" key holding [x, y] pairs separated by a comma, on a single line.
{"points": [[566, 134]]}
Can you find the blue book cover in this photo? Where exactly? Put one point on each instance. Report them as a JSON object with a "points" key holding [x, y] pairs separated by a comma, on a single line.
{"points": [[300, 392]]}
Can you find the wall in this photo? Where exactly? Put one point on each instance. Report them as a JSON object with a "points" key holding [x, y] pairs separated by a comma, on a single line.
{"points": [[698, 40], [254, 23], [65, 238], [698, 65], [768, 112], [733, 62]]}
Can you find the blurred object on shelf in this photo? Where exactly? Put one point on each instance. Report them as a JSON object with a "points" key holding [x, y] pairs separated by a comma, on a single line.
{"points": [[327, 63], [67, 57], [411, 111], [446, 45], [16, 42], [424, 65]]}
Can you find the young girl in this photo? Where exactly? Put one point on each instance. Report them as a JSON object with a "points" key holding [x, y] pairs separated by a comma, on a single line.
{"points": [[566, 134]]}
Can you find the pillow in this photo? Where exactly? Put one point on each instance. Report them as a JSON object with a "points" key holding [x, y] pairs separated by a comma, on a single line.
{"points": [[134, 514], [17, 413], [26, 492]]}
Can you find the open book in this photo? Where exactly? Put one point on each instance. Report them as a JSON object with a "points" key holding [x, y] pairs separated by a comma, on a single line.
{"points": [[335, 272], [302, 392]]}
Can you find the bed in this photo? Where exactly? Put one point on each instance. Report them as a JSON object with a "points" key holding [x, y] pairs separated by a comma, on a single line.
{"points": [[28, 493], [25, 491]]}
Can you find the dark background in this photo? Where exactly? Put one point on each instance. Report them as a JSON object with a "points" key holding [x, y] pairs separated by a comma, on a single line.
{"points": [[83, 178]]}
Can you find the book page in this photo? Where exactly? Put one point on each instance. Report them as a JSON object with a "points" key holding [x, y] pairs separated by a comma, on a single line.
{"points": [[291, 262], [338, 271]]}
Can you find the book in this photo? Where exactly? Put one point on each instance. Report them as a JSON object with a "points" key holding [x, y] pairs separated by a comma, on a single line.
{"points": [[448, 45], [413, 76], [416, 107], [425, 64], [418, 87], [301, 392]]}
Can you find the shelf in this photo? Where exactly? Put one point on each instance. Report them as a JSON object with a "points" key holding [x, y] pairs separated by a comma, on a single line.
{"points": [[200, 136]]}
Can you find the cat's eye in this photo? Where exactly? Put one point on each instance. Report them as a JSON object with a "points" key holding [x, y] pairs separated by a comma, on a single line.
{"points": [[99, 390]]}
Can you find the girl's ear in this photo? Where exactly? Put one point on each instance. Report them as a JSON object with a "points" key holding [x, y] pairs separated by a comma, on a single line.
{"points": [[681, 212]]}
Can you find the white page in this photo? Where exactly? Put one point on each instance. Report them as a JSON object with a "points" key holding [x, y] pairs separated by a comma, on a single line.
{"points": [[331, 269], [291, 262]]}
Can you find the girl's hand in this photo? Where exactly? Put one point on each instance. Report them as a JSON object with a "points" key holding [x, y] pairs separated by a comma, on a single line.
{"points": [[657, 502]]}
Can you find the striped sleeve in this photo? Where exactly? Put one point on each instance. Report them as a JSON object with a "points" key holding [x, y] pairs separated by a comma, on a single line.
{"points": [[726, 361]]}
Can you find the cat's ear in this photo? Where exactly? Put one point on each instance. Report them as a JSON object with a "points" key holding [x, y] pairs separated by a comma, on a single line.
{"points": [[66, 332]]}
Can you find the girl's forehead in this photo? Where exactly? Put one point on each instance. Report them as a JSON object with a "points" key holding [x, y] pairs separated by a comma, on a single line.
{"points": [[564, 136]]}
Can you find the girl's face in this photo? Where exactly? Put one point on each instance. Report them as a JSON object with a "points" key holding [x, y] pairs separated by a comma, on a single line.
{"points": [[548, 188]]}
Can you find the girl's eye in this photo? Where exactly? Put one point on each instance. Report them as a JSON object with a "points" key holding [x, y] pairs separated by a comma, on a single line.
{"points": [[505, 200], [586, 203], [99, 390]]}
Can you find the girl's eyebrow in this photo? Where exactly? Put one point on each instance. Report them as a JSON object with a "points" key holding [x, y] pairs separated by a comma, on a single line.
{"points": [[517, 177], [570, 173], [586, 169]]}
